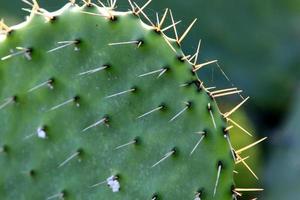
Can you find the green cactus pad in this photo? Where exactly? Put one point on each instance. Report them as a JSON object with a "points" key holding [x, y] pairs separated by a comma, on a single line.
{"points": [[95, 104]]}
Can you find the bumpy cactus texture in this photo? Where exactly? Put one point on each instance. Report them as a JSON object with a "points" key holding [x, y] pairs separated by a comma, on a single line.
{"points": [[95, 104]]}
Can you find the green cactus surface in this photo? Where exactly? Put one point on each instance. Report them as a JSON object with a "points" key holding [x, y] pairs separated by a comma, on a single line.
{"points": [[95, 104]]}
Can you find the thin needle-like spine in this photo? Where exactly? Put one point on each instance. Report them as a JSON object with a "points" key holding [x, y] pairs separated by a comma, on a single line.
{"points": [[162, 19], [157, 20], [248, 167], [239, 126], [223, 90], [132, 6], [217, 180], [180, 112], [167, 155], [126, 144], [174, 26], [250, 145], [230, 146], [168, 42], [227, 78], [197, 144], [64, 44], [92, 71], [124, 43], [7, 102], [162, 72], [170, 26], [21, 51], [187, 31], [249, 189], [227, 93], [212, 115], [241, 159], [152, 72], [101, 121], [146, 17], [62, 104], [48, 83], [211, 88], [120, 93], [150, 112], [196, 55], [235, 108], [102, 4], [143, 7], [69, 159], [199, 66], [97, 184]]}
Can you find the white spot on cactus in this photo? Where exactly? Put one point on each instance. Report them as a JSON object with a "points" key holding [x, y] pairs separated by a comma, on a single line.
{"points": [[113, 183], [41, 133]]}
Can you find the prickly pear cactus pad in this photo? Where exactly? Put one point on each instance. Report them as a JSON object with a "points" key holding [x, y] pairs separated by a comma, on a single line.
{"points": [[96, 104]]}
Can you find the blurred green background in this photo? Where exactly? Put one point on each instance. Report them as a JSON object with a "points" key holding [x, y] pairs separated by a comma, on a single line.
{"points": [[257, 44]]}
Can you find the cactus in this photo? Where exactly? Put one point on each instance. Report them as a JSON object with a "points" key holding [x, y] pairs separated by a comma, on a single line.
{"points": [[237, 54], [94, 97], [253, 158]]}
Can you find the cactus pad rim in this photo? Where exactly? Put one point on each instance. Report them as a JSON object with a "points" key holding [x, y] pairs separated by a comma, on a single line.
{"points": [[144, 37]]}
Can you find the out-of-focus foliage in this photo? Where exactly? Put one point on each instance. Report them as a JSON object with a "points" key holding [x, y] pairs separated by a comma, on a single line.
{"points": [[282, 173]]}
